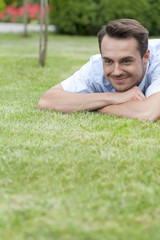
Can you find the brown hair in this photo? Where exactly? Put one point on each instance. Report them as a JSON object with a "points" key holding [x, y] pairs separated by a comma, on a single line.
{"points": [[126, 28]]}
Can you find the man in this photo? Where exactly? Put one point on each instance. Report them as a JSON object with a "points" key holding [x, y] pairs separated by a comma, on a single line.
{"points": [[124, 80]]}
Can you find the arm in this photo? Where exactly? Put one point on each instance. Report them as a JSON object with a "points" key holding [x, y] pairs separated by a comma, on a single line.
{"points": [[147, 109], [67, 102]]}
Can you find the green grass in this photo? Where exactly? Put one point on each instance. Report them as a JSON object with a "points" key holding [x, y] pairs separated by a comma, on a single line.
{"points": [[82, 176]]}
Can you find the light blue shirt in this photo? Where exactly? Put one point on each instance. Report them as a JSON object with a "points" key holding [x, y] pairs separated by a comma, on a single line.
{"points": [[90, 78]]}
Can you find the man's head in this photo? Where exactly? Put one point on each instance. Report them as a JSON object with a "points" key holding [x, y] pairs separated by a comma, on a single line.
{"points": [[124, 49], [126, 28]]}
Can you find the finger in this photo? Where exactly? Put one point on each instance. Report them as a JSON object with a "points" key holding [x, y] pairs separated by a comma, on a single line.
{"points": [[140, 97]]}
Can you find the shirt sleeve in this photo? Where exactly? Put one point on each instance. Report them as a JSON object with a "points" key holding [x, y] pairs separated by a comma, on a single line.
{"points": [[81, 81], [154, 87], [154, 72]]}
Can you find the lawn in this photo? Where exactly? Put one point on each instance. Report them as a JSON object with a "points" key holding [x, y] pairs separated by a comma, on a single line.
{"points": [[82, 176]]}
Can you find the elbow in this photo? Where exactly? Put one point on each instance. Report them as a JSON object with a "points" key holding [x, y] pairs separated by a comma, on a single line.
{"points": [[49, 102], [154, 117], [41, 104], [45, 103], [151, 110], [50, 98]]}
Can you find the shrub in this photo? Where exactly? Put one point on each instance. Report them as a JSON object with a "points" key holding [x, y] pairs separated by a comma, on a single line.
{"points": [[15, 14], [2, 5], [14, 3], [85, 17], [74, 17], [18, 3]]}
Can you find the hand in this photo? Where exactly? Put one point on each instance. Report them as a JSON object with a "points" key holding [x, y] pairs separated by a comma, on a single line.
{"points": [[132, 94]]}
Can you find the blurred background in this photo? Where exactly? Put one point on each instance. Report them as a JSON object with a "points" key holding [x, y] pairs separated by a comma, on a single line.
{"points": [[84, 17]]}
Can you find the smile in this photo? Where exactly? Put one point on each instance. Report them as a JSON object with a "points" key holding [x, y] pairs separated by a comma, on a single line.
{"points": [[119, 80]]}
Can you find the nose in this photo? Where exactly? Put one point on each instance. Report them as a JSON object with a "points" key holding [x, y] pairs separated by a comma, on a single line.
{"points": [[117, 71]]}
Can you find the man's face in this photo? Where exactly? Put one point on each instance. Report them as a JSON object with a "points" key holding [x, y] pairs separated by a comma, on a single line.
{"points": [[122, 62]]}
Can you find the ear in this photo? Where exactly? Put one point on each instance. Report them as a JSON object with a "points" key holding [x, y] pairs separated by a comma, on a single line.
{"points": [[146, 57]]}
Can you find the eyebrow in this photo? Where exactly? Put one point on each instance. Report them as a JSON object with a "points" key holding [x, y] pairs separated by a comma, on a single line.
{"points": [[122, 59], [106, 58], [128, 57]]}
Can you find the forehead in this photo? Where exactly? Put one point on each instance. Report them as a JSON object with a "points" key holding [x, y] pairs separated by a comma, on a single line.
{"points": [[115, 47]]}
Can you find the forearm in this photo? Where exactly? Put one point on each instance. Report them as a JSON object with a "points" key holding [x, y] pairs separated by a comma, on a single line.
{"points": [[67, 102], [147, 109], [128, 110]]}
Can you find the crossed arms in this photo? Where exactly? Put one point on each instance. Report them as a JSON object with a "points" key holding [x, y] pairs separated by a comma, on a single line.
{"points": [[130, 104]]}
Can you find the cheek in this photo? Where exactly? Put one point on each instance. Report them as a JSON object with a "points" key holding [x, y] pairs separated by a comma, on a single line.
{"points": [[138, 71], [107, 70], [133, 70]]}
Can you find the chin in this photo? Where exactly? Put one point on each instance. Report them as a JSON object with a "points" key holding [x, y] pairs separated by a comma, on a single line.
{"points": [[121, 89], [124, 88]]}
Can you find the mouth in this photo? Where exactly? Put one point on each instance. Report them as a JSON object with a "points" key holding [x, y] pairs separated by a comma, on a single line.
{"points": [[119, 80]]}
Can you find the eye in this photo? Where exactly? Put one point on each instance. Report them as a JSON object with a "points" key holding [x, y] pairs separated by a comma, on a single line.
{"points": [[108, 61], [126, 61]]}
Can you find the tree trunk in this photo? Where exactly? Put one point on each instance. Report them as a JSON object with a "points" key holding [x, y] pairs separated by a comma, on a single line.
{"points": [[25, 18], [43, 52]]}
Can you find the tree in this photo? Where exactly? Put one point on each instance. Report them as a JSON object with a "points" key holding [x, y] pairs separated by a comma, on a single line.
{"points": [[25, 18], [43, 39]]}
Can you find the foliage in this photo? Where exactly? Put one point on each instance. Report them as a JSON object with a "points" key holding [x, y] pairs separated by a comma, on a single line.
{"points": [[15, 14], [15, 3], [74, 16], [18, 3], [77, 176], [153, 17], [2, 5], [87, 16]]}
